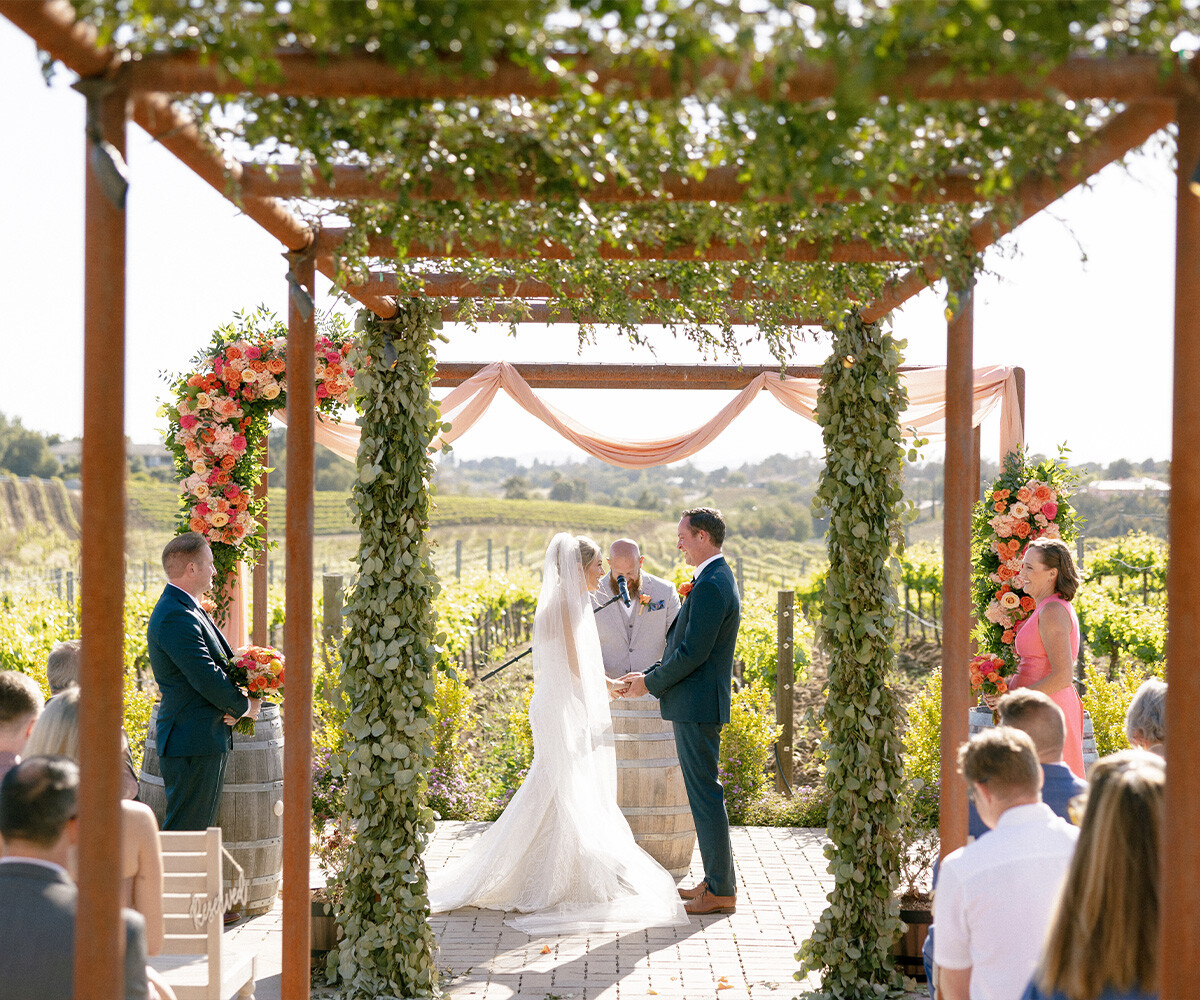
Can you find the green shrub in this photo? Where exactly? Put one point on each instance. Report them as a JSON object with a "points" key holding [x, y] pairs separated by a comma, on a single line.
{"points": [[757, 641], [1107, 701], [923, 750], [511, 755], [746, 745], [808, 806], [450, 786]]}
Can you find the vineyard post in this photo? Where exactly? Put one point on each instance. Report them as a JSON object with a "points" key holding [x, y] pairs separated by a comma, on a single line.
{"points": [[907, 610], [145, 577], [489, 561], [458, 559], [331, 616], [270, 572], [933, 617], [506, 559], [785, 675], [58, 590], [70, 596], [740, 583]]}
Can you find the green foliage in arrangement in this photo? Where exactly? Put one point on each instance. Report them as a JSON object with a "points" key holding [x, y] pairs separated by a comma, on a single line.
{"points": [[746, 745], [860, 490], [1117, 628], [389, 660], [758, 637], [1107, 700]]}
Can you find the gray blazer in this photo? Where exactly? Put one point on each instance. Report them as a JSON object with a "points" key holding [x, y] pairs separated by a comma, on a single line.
{"points": [[37, 924], [634, 643]]}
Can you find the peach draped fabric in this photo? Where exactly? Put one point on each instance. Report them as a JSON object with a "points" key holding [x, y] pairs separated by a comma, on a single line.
{"points": [[465, 404]]}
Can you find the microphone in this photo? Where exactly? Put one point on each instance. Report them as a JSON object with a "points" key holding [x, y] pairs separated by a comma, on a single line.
{"points": [[623, 590]]}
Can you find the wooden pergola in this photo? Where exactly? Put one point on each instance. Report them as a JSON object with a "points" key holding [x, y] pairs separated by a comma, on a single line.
{"points": [[123, 90]]}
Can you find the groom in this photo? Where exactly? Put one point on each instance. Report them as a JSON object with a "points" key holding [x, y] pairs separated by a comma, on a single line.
{"points": [[692, 683]]}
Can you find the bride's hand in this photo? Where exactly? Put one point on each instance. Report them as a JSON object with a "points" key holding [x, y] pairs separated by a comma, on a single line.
{"points": [[616, 688]]}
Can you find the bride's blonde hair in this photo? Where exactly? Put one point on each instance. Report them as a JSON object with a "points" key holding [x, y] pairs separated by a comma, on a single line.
{"points": [[589, 551]]}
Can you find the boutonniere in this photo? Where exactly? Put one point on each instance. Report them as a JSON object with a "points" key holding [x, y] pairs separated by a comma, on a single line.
{"points": [[208, 605], [685, 589]]}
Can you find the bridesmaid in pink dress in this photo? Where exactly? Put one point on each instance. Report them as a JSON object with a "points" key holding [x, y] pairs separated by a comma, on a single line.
{"points": [[1048, 640]]}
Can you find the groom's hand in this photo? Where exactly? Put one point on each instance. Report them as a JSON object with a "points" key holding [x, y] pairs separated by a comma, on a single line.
{"points": [[635, 685]]}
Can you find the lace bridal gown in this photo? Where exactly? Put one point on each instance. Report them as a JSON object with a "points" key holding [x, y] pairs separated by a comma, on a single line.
{"points": [[561, 853]]}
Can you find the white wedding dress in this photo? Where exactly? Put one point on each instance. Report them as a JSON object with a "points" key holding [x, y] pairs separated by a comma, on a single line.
{"points": [[561, 854]]}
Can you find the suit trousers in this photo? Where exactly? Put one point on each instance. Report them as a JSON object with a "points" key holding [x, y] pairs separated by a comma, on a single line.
{"points": [[193, 786], [699, 748]]}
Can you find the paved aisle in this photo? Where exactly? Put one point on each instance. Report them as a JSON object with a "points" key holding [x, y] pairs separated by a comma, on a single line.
{"points": [[782, 886]]}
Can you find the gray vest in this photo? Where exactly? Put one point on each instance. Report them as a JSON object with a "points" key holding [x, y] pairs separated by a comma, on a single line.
{"points": [[633, 643]]}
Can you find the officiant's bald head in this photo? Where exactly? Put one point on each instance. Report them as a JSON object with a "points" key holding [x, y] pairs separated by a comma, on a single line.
{"points": [[625, 559]]}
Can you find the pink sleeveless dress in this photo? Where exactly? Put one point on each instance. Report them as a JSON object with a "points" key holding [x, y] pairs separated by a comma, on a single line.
{"points": [[1035, 666]]}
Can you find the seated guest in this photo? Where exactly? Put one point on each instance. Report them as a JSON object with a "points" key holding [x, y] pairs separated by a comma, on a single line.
{"points": [[1146, 717], [20, 706], [995, 895], [62, 672], [1038, 715], [62, 666], [1103, 938], [38, 806], [57, 733]]}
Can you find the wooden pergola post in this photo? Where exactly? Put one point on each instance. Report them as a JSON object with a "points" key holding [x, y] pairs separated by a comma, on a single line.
{"points": [[258, 632], [1179, 918], [958, 499], [99, 930], [298, 630]]}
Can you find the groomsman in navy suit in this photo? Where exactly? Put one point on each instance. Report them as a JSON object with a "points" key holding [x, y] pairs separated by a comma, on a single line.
{"points": [[693, 683], [199, 702]]}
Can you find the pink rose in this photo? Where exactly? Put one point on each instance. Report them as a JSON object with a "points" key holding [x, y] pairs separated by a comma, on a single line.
{"points": [[322, 392], [238, 442], [188, 422], [253, 353], [332, 357], [1050, 510], [203, 509], [231, 491]]}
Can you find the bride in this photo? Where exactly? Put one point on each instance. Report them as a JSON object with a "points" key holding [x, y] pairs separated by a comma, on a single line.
{"points": [[561, 853]]}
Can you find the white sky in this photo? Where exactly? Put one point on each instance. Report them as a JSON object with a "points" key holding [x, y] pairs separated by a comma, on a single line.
{"points": [[1089, 334]]}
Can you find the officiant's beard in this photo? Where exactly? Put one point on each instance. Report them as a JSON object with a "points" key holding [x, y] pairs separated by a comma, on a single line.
{"points": [[632, 584]]}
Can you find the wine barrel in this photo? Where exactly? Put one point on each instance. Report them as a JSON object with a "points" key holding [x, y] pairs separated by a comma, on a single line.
{"points": [[251, 815], [909, 947], [650, 788], [981, 719]]}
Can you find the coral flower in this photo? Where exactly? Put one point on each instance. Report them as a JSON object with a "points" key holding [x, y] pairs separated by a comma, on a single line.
{"points": [[197, 524]]}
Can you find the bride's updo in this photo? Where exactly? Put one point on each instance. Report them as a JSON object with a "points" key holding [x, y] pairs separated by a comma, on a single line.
{"points": [[589, 551]]}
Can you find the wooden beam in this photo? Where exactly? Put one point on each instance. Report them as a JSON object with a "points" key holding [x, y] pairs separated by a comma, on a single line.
{"points": [[100, 935], [721, 185], [957, 504], [259, 632], [301, 74], [1179, 916], [644, 376], [298, 642]]}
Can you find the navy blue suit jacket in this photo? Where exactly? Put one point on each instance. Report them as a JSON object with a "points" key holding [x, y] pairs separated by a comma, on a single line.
{"points": [[188, 655], [1059, 787], [694, 679]]}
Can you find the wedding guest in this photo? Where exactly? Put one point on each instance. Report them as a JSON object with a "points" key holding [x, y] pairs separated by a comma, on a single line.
{"points": [[632, 638], [62, 666], [62, 672], [1102, 942], [1146, 717], [57, 734], [1036, 714], [20, 706], [188, 655], [1048, 640], [1008, 879], [39, 827]]}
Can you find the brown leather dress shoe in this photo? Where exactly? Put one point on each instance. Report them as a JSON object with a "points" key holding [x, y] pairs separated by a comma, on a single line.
{"points": [[706, 902], [694, 891]]}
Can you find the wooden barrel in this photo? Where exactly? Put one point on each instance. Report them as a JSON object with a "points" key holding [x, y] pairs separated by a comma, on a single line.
{"points": [[909, 947], [981, 719], [251, 815], [650, 788]]}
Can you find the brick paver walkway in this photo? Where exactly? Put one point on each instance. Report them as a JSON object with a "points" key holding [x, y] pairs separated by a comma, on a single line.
{"points": [[781, 892]]}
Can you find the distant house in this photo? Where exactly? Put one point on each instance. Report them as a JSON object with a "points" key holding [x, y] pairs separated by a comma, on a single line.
{"points": [[153, 456], [1105, 488]]}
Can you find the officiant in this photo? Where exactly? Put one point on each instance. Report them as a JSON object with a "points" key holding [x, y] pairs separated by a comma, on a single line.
{"points": [[634, 635]]}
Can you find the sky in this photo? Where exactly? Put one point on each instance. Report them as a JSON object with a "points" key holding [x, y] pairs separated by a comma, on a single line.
{"points": [[1080, 296]]}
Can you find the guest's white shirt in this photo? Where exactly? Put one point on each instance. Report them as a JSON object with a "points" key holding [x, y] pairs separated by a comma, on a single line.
{"points": [[994, 898]]}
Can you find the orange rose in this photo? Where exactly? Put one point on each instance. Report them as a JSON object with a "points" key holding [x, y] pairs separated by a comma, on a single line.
{"points": [[1005, 573], [276, 366], [1001, 686], [258, 366], [197, 524], [1022, 529], [228, 462], [685, 589], [1042, 494], [233, 353], [1001, 494], [998, 507], [1023, 495], [1008, 635], [1028, 603]]}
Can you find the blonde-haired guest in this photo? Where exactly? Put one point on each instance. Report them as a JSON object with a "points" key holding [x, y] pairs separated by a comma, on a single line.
{"points": [[57, 734], [1103, 938]]}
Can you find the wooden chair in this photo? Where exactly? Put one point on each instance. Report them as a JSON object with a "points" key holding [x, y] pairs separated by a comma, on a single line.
{"points": [[196, 962]]}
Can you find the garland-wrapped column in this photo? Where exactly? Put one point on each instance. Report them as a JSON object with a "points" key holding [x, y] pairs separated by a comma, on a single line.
{"points": [[388, 665], [859, 408]]}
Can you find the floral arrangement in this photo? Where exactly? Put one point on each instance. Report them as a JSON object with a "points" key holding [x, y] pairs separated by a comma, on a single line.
{"points": [[685, 589], [259, 671], [1025, 502], [218, 417]]}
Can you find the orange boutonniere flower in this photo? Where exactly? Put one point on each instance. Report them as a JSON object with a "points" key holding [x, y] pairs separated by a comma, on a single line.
{"points": [[685, 589]]}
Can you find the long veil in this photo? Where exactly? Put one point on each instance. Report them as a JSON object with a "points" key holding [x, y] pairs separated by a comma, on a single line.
{"points": [[561, 853]]}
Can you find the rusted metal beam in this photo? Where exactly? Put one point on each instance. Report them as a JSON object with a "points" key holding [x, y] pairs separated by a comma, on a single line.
{"points": [[1126, 131], [1179, 916], [298, 639], [100, 936], [843, 252], [301, 74], [721, 185], [957, 503]]}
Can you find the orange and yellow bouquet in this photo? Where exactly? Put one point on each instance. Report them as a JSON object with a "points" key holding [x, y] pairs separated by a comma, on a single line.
{"points": [[258, 670], [989, 674]]}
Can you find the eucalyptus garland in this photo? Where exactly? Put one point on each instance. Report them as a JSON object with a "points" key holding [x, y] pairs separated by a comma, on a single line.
{"points": [[860, 490], [388, 665]]}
